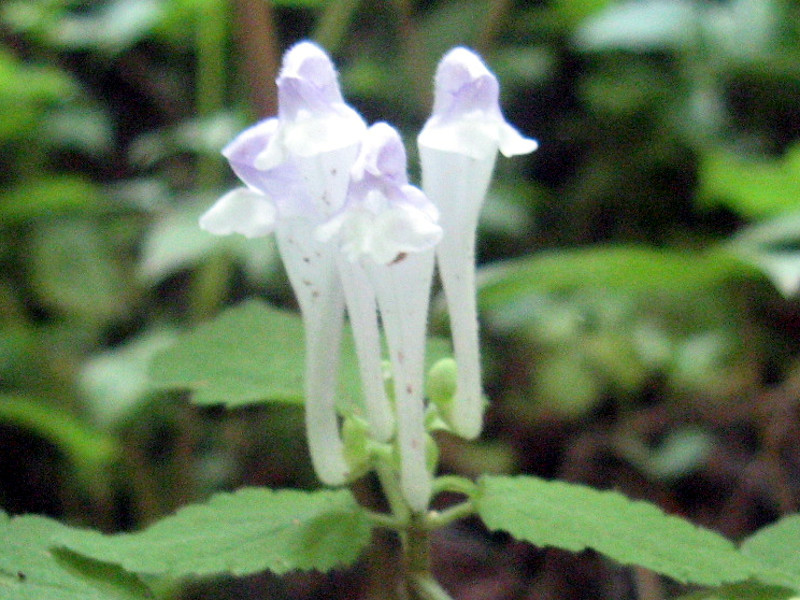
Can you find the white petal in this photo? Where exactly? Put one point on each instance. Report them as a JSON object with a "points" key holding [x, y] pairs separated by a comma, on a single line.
{"points": [[513, 143], [324, 133], [475, 138], [400, 230], [327, 176], [240, 211]]}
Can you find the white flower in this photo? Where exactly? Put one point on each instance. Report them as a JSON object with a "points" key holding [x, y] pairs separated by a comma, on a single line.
{"points": [[458, 147], [296, 168]]}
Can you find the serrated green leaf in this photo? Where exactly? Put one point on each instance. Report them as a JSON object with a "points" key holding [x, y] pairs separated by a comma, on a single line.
{"points": [[623, 268], [248, 531], [575, 517], [775, 550], [30, 570], [252, 353]]}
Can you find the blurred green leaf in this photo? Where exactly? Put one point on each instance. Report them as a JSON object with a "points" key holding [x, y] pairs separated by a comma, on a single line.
{"points": [[22, 82], [773, 247], [112, 26], [175, 242], [752, 188], [73, 270], [647, 25], [749, 590], [626, 268], [573, 12], [50, 195], [84, 128], [27, 91], [30, 570], [564, 383], [116, 380], [680, 453], [250, 530], [90, 451], [250, 354], [575, 517]]}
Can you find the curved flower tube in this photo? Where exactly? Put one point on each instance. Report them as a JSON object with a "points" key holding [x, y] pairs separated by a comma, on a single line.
{"points": [[458, 147]]}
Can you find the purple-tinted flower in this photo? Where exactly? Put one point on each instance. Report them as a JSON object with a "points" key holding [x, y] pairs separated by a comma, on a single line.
{"points": [[458, 147], [466, 115], [298, 165], [384, 217]]}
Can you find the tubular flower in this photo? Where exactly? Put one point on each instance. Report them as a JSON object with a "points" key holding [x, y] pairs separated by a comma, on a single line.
{"points": [[296, 170], [390, 228], [458, 148]]}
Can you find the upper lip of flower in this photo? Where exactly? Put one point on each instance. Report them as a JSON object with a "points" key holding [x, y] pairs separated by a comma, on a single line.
{"points": [[466, 115]]}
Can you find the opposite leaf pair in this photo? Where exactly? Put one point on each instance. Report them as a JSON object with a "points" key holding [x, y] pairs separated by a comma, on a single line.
{"points": [[353, 233]]}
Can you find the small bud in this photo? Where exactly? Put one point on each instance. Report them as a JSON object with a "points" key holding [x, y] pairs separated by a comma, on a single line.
{"points": [[442, 383]]}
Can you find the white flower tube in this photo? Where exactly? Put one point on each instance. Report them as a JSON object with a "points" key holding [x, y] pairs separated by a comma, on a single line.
{"points": [[458, 147], [389, 227]]}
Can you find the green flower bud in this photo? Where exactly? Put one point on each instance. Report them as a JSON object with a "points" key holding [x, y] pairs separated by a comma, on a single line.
{"points": [[441, 384]]}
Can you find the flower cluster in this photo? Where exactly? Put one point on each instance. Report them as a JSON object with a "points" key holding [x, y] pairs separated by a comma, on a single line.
{"points": [[357, 238]]}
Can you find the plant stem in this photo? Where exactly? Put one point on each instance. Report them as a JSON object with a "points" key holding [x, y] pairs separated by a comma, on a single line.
{"points": [[435, 520], [384, 520], [454, 483], [417, 547], [392, 491]]}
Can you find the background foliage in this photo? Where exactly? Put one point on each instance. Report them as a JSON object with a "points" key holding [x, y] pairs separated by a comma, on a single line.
{"points": [[638, 271]]}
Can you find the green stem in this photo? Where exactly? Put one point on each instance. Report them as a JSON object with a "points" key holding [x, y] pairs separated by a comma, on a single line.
{"points": [[435, 519], [417, 546], [384, 520], [454, 483], [392, 491]]}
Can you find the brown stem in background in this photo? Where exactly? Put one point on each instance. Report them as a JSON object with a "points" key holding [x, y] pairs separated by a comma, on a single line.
{"points": [[497, 12], [257, 40]]}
